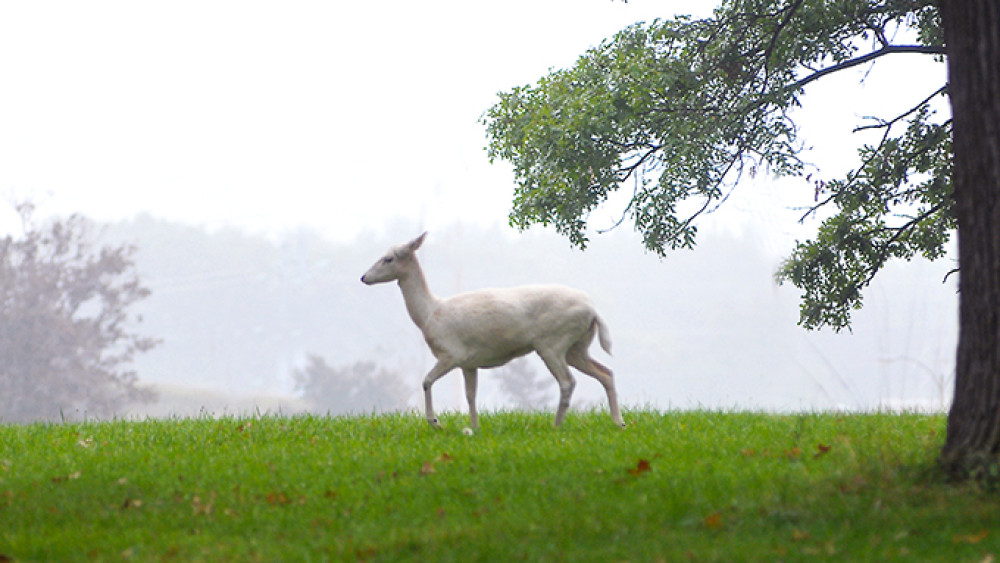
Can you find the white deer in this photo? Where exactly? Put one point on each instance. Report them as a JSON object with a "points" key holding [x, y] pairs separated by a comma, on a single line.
{"points": [[490, 327]]}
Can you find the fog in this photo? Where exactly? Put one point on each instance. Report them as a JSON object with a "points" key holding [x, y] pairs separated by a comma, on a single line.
{"points": [[258, 165], [708, 328]]}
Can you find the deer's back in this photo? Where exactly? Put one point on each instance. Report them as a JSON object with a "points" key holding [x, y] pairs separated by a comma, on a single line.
{"points": [[491, 326]]}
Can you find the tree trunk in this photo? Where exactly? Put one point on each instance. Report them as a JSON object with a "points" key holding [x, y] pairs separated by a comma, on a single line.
{"points": [[972, 35]]}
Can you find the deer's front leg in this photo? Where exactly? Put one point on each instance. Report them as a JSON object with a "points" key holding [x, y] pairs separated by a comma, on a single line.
{"points": [[439, 369]]}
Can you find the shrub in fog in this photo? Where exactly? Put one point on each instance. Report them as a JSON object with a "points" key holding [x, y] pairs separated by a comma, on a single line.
{"points": [[525, 387], [361, 387]]}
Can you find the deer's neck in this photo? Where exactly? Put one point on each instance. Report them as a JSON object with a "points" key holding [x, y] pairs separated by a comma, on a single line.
{"points": [[420, 302]]}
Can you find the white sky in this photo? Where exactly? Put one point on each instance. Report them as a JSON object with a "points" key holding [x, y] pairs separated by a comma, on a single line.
{"points": [[340, 116]]}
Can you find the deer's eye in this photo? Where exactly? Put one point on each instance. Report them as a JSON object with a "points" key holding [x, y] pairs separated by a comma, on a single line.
{"points": [[387, 259]]}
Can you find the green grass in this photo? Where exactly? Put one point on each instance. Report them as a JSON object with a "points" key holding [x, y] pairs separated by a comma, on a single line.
{"points": [[677, 486]]}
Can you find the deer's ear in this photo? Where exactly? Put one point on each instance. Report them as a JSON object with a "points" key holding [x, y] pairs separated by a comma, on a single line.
{"points": [[414, 244]]}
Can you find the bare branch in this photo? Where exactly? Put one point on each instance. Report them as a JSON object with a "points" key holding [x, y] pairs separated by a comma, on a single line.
{"points": [[891, 50], [948, 275], [630, 169], [879, 30], [883, 123]]}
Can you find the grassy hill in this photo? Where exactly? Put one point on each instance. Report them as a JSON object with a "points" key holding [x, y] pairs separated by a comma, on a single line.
{"points": [[674, 486]]}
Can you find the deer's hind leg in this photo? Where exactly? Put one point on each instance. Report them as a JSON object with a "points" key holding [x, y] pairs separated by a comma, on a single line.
{"points": [[581, 360], [470, 395]]}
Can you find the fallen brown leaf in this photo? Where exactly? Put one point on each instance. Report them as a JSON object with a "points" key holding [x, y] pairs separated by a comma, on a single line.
{"points": [[131, 503], [277, 498], [971, 538], [854, 485], [641, 467], [199, 506], [70, 477], [713, 521], [799, 535], [821, 450]]}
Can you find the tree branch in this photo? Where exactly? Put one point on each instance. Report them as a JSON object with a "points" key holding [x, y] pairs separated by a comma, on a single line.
{"points": [[897, 233], [631, 169], [853, 175], [883, 123], [781, 26], [891, 50]]}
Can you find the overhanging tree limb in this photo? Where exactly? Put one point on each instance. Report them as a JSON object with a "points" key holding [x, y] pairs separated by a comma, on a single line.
{"points": [[715, 96], [890, 50]]}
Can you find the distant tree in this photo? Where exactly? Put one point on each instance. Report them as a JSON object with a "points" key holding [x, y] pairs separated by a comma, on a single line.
{"points": [[524, 386], [358, 388], [65, 339]]}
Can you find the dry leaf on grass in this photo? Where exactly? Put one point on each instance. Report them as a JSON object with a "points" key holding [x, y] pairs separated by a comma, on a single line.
{"points": [[641, 467], [713, 521], [971, 538]]}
